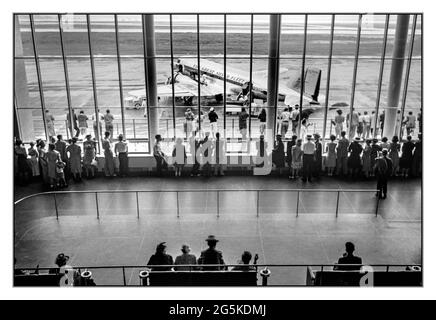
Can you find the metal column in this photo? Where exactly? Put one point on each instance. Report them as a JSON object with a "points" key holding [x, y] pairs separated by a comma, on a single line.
{"points": [[356, 61], [173, 98], [94, 86], [380, 76], [396, 74], [251, 80], [302, 76], [273, 73], [409, 62], [38, 73], [120, 78], [67, 79], [150, 76], [332, 30], [198, 71]]}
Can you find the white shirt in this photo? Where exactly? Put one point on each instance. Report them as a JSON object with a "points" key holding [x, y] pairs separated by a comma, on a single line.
{"points": [[309, 147], [285, 115], [294, 114]]}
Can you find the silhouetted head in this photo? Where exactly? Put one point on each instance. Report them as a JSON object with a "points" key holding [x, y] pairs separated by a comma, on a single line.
{"points": [[343, 133], [186, 248], [18, 142], [217, 135], [211, 241], [384, 139], [349, 247], [51, 147], [59, 136], [409, 138], [246, 257], [74, 140], [107, 134], [395, 139], [339, 111], [161, 247], [385, 152], [158, 137], [294, 137], [120, 137], [108, 111], [332, 137], [61, 260]]}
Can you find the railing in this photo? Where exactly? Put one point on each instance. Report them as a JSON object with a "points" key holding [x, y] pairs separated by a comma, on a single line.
{"points": [[217, 192], [264, 271]]}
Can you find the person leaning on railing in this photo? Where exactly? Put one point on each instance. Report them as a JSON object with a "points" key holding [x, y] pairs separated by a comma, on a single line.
{"points": [[349, 259], [185, 258]]}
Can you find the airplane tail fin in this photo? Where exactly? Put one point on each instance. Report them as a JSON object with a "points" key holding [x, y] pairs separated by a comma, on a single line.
{"points": [[312, 81]]}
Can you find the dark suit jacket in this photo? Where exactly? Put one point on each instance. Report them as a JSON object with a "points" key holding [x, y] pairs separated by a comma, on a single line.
{"points": [[349, 260]]}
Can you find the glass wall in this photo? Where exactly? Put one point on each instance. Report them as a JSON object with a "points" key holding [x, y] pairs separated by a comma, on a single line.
{"points": [[93, 63]]}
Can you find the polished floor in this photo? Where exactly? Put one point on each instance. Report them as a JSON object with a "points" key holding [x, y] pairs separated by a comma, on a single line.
{"points": [[129, 225]]}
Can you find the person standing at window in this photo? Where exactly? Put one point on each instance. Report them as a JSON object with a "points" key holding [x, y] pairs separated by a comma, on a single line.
{"points": [[309, 149], [75, 155], [262, 119], [53, 157], [331, 155], [393, 152], [82, 118], [410, 123], [354, 161], [73, 124], [122, 151], [342, 154], [179, 156], [109, 163], [383, 170], [159, 156], [284, 117], [289, 146], [219, 154], [49, 120], [406, 157], [278, 154], [366, 125], [213, 119], [89, 151], [366, 159], [352, 123], [100, 117], [108, 122], [34, 162], [189, 120], [339, 122], [243, 116], [317, 164], [297, 159], [295, 118]]}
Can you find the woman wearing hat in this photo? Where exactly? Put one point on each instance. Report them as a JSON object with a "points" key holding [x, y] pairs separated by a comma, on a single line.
{"points": [[122, 151], [185, 258], [89, 151], [75, 155], [354, 161]]}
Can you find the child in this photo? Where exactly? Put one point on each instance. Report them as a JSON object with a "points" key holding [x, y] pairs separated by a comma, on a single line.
{"points": [[60, 176]]}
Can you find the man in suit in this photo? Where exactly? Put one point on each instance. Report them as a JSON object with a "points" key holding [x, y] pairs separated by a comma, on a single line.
{"points": [[349, 258], [383, 170], [211, 255]]}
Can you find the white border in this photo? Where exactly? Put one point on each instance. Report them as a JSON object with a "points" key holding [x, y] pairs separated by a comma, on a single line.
{"points": [[8, 7]]}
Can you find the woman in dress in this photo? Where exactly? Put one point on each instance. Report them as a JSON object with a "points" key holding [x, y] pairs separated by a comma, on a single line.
{"points": [[40, 146], [366, 159], [52, 157], [34, 163], [109, 164], [89, 151], [406, 157], [23, 166], [354, 162], [394, 149], [75, 156], [262, 119], [179, 157], [331, 155], [297, 159], [121, 151]]}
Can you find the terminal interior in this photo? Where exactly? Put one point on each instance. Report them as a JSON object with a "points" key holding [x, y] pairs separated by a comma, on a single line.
{"points": [[64, 64]]}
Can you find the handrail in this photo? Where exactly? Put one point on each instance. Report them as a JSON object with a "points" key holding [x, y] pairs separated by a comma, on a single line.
{"points": [[274, 265], [192, 190]]}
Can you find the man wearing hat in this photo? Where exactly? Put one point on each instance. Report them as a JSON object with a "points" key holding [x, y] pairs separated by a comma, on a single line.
{"points": [[317, 165], [211, 255], [213, 118], [160, 258], [383, 170], [308, 158]]}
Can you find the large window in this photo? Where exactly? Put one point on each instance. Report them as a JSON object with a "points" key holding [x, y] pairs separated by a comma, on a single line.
{"points": [[92, 63]]}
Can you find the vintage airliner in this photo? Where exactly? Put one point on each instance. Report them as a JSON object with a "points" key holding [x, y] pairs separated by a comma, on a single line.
{"points": [[211, 78]]}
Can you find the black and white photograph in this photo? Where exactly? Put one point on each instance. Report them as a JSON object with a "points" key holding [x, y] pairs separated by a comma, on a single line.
{"points": [[202, 149]]}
